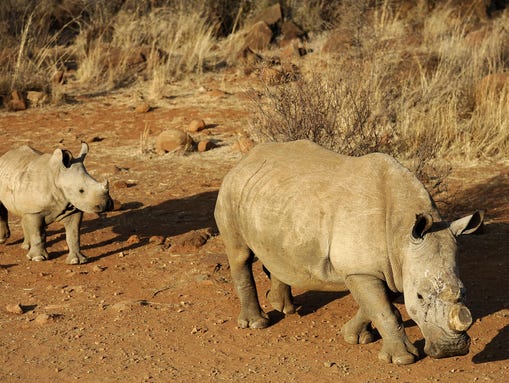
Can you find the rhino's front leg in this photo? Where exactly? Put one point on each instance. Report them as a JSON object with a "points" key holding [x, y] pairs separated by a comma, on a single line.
{"points": [[4, 225], [72, 224], [251, 314], [34, 232], [371, 295]]}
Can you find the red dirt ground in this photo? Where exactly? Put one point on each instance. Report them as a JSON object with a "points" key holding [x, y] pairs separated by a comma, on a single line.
{"points": [[141, 311]]}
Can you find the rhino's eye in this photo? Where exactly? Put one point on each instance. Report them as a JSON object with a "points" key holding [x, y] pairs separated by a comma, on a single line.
{"points": [[419, 296], [82, 191]]}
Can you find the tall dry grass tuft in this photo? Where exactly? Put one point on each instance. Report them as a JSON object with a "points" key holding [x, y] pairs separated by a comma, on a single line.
{"points": [[169, 41], [29, 37]]}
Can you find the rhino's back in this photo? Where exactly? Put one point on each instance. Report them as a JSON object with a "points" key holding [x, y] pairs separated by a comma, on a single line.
{"points": [[272, 173], [309, 213], [21, 172], [15, 161]]}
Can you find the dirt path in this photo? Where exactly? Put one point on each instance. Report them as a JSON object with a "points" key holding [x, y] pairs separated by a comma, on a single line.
{"points": [[143, 312]]}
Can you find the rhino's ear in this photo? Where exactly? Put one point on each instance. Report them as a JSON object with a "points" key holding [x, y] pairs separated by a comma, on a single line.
{"points": [[423, 223], [62, 157], [84, 151], [469, 224]]}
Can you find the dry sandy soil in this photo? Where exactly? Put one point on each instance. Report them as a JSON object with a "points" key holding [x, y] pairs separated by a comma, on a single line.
{"points": [[142, 311]]}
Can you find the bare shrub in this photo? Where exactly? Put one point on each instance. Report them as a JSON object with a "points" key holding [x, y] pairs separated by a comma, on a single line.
{"points": [[348, 116], [328, 110]]}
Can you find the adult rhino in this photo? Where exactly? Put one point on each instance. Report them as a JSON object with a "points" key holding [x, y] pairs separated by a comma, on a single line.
{"points": [[322, 221], [44, 188]]}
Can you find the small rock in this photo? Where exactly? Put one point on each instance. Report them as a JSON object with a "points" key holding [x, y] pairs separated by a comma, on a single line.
{"points": [[172, 140], [142, 108], [98, 268], [14, 309], [133, 239], [120, 185], [16, 106], [156, 239], [122, 306], [44, 318], [189, 242], [17, 102], [36, 98], [205, 145], [196, 126]]}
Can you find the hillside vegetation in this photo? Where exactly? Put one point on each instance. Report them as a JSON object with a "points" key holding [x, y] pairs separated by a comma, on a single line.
{"points": [[417, 79]]}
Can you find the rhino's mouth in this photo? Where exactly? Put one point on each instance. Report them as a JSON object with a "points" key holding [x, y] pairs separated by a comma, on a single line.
{"points": [[453, 346], [102, 208]]}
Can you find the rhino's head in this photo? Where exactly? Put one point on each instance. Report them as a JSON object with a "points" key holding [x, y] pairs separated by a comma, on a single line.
{"points": [[78, 187], [434, 294]]}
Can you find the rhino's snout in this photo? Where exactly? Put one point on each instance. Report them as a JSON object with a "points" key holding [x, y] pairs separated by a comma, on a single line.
{"points": [[460, 345], [105, 205], [109, 204]]}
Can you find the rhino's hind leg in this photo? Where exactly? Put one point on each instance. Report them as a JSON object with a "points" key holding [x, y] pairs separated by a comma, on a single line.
{"points": [[371, 295], [280, 296], [72, 225], [240, 258], [358, 330], [4, 226], [35, 237]]}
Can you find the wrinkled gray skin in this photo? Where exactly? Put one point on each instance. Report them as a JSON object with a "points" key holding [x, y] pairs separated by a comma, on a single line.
{"points": [[322, 221], [44, 188]]}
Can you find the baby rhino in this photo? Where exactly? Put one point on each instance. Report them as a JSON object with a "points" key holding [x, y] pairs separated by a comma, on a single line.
{"points": [[44, 188]]}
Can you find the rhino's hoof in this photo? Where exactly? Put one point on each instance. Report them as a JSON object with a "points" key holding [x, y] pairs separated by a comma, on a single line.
{"points": [[38, 258], [399, 360], [398, 352], [364, 337], [260, 322], [77, 260]]}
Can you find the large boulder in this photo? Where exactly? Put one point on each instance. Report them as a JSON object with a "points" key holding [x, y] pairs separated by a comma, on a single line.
{"points": [[174, 140], [258, 37], [271, 15]]}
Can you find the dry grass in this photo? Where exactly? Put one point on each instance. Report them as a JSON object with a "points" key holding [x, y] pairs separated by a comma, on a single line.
{"points": [[405, 81], [406, 90]]}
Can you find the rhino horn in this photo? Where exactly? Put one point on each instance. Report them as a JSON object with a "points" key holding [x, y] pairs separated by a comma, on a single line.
{"points": [[460, 318], [106, 185], [84, 151]]}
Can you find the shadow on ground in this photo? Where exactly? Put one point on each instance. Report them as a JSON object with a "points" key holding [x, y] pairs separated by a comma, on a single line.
{"points": [[167, 219], [483, 260]]}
